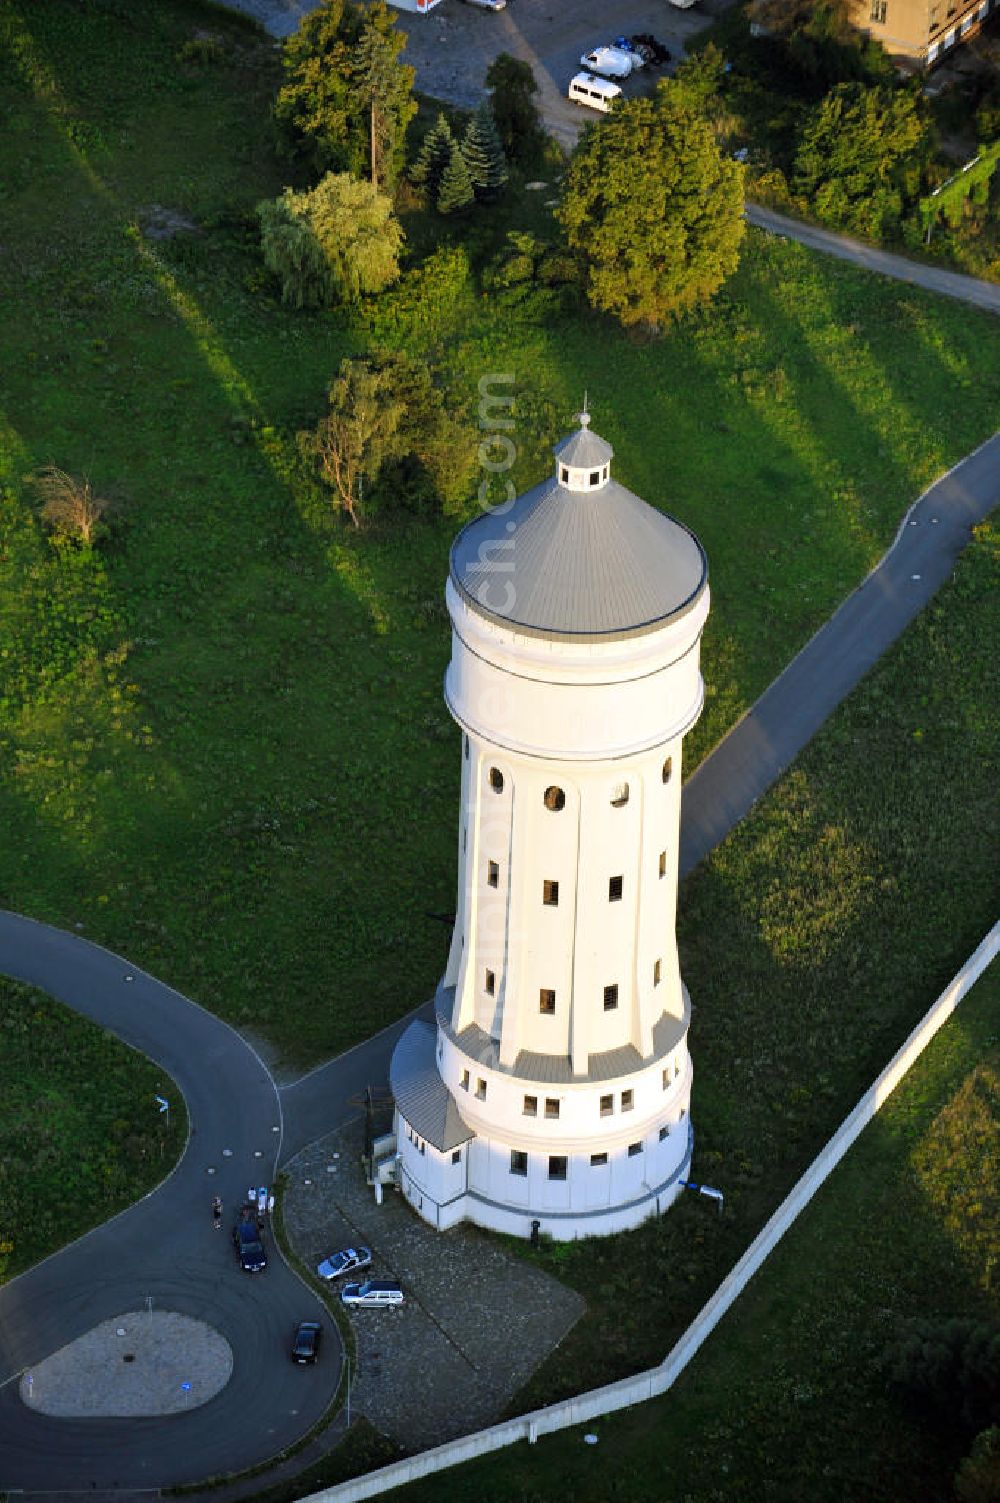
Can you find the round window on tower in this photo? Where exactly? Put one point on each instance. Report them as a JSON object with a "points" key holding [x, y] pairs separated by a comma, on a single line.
{"points": [[496, 780], [555, 799], [668, 768]]}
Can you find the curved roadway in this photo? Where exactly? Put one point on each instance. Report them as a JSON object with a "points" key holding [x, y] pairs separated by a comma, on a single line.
{"points": [[164, 1246]]}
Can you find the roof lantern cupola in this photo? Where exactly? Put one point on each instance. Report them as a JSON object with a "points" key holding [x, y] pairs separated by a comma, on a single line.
{"points": [[583, 461]]}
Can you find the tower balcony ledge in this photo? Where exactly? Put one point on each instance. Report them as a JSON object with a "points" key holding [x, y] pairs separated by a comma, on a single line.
{"points": [[557, 1069]]}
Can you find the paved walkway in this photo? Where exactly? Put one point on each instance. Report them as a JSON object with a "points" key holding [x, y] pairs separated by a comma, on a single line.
{"points": [[886, 263], [789, 713]]}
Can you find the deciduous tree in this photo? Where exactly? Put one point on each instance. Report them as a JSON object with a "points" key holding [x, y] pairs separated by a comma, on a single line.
{"points": [[347, 98], [358, 435], [653, 209], [861, 156], [390, 442], [332, 244]]}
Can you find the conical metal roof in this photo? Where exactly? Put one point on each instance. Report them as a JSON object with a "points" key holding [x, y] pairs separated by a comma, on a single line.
{"points": [[578, 562]]}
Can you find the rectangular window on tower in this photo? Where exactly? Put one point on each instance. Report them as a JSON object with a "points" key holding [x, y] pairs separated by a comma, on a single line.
{"points": [[607, 1106], [597, 1159], [663, 863], [557, 1166], [615, 887], [491, 983], [465, 1080], [628, 1101], [518, 1161], [480, 1090], [550, 893], [530, 1108], [610, 998], [493, 874], [656, 973], [551, 1106], [546, 1000]]}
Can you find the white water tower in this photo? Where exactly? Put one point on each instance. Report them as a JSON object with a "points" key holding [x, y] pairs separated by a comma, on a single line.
{"points": [[555, 1085]]}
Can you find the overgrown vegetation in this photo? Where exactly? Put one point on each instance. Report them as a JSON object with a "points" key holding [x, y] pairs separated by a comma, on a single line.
{"points": [[830, 132], [812, 941], [81, 1135]]}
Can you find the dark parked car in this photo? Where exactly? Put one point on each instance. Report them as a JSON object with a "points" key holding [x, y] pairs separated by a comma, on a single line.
{"points": [[249, 1247], [306, 1341]]}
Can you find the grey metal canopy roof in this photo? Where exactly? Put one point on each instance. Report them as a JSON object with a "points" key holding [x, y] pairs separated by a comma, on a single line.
{"points": [[583, 449], [578, 562], [421, 1095]]}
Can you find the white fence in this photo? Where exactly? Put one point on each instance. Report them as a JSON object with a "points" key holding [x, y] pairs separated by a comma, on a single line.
{"points": [[647, 1385]]}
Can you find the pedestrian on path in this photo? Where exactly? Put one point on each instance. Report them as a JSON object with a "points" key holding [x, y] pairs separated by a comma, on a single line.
{"points": [[217, 1213]]}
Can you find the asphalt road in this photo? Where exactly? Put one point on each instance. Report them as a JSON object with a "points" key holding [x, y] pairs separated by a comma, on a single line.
{"points": [[164, 1248]]}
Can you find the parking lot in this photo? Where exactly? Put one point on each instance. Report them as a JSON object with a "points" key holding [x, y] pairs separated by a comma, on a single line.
{"points": [[477, 1319], [452, 45]]}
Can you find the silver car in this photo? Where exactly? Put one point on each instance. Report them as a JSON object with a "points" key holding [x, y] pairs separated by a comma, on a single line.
{"points": [[384, 1292], [348, 1260]]}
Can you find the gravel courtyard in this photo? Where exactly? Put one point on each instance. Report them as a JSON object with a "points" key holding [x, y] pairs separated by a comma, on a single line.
{"points": [[477, 1319]]}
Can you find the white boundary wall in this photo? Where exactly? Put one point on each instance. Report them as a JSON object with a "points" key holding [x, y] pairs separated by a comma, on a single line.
{"points": [[656, 1380]]}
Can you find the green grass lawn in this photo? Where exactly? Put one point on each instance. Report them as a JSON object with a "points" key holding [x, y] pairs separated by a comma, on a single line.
{"points": [[81, 1136], [223, 748], [788, 1400], [812, 940]]}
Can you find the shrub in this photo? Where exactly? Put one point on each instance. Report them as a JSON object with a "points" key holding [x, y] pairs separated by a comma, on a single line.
{"points": [[861, 157], [951, 1370], [978, 1478], [70, 508]]}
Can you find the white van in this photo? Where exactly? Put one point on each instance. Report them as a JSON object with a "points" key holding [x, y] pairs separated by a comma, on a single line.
{"points": [[595, 93]]}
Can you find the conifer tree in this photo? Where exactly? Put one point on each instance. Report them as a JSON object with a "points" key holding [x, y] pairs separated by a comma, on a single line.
{"points": [[434, 156], [484, 154], [456, 192]]}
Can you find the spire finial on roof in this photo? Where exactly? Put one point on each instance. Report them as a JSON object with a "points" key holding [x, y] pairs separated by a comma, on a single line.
{"points": [[585, 414]]}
